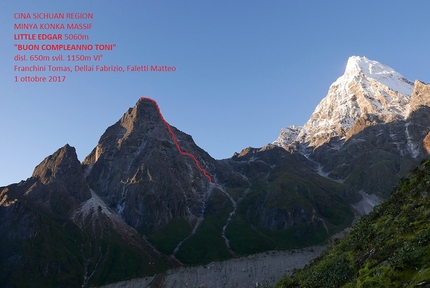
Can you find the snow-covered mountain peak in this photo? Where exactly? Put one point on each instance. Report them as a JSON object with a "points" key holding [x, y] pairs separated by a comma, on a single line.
{"points": [[367, 90], [370, 68], [358, 66]]}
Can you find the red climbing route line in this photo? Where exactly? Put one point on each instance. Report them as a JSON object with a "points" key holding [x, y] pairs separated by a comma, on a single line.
{"points": [[174, 139]]}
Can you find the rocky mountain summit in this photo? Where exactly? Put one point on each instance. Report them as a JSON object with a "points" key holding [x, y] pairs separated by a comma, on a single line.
{"points": [[147, 198], [136, 166]]}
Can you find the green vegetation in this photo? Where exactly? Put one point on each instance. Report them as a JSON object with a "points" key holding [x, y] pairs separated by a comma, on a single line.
{"points": [[207, 244], [278, 214], [246, 240], [390, 247], [59, 255], [167, 238], [43, 254], [120, 262]]}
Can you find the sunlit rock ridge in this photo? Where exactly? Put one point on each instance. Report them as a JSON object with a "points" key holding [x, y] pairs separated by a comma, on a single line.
{"points": [[368, 90]]}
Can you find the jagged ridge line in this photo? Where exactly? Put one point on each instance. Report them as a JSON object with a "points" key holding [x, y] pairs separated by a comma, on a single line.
{"points": [[174, 139]]}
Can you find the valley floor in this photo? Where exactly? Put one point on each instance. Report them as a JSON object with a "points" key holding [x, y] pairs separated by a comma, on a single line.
{"points": [[252, 271]]}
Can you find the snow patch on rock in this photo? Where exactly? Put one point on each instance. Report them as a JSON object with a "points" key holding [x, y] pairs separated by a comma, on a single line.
{"points": [[288, 135]]}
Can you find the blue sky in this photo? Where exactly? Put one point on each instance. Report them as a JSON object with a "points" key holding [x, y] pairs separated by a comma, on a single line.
{"points": [[244, 69]]}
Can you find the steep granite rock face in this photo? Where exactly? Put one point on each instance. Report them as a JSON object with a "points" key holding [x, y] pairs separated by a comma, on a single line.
{"points": [[137, 169]]}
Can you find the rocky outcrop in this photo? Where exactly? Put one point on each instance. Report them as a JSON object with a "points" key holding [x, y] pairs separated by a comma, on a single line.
{"points": [[288, 137], [64, 167], [426, 143], [420, 96], [138, 171]]}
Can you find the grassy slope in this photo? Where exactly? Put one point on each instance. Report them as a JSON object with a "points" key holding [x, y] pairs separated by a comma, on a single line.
{"points": [[390, 247], [207, 244], [167, 238]]}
